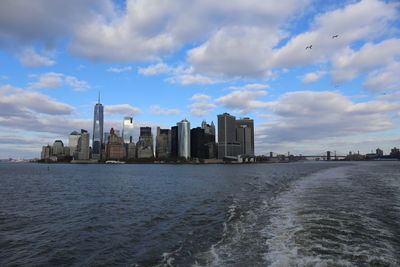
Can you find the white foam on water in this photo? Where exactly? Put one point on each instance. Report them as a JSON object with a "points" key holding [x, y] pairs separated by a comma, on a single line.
{"points": [[292, 232]]}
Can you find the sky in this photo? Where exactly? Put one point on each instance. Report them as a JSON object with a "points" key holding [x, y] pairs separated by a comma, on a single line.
{"points": [[162, 61]]}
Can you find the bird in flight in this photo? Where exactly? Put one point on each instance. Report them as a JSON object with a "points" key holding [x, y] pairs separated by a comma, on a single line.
{"points": [[309, 47], [335, 36]]}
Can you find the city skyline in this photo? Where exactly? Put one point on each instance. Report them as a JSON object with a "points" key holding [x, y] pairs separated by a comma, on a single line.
{"points": [[314, 75]]}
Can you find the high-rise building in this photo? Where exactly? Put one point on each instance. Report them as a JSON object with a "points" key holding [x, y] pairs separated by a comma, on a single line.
{"points": [[244, 138], [144, 147], [83, 151], [184, 139], [197, 143], [98, 122], [247, 144], [127, 130], [228, 146], [115, 149], [174, 142], [73, 142], [163, 143]]}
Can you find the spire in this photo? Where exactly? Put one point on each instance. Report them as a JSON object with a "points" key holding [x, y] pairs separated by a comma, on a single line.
{"points": [[98, 101]]}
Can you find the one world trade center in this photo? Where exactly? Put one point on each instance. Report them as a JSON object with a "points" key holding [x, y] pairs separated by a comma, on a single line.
{"points": [[98, 122]]}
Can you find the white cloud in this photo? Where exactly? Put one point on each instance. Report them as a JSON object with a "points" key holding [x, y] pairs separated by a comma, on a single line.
{"points": [[383, 80], [351, 64], [118, 70], [308, 115], [250, 86], [155, 69], [202, 106], [313, 76], [122, 109], [47, 80], [187, 79], [16, 102], [156, 109], [243, 101], [55, 80], [29, 57]]}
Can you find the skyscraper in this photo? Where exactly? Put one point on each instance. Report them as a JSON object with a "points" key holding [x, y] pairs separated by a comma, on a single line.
{"points": [[127, 130], [245, 135], [73, 142], [163, 143], [144, 147], [174, 142], [228, 146], [98, 122], [184, 139]]}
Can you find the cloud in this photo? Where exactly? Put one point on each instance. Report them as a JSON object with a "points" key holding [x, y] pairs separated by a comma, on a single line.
{"points": [[308, 115], [313, 76], [250, 86], [202, 106], [122, 109], [243, 101], [47, 80], [351, 64], [385, 79], [155, 69], [16, 102], [55, 80], [118, 70], [187, 79], [29, 57], [156, 109]]}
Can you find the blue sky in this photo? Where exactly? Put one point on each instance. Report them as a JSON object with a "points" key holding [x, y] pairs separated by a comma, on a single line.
{"points": [[161, 61]]}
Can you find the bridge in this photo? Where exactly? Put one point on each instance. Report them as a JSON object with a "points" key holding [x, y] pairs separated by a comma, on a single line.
{"points": [[328, 155]]}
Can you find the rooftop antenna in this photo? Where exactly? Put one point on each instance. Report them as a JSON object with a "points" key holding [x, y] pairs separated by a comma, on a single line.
{"points": [[98, 101]]}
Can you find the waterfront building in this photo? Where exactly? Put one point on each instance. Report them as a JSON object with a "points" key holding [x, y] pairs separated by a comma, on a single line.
{"points": [[379, 152], [58, 148], [210, 151], [144, 147], [98, 122], [115, 149], [197, 143], [174, 142], [127, 130], [228, 146], [163, 143], [245, 135], [131, 151], [46, 153], [83, 150], [184, 139], [73, 142]]}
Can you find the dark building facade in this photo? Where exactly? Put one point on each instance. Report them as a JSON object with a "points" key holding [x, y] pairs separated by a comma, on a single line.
{"points": [[198, 143], [228, 146], [245, 135], [174, 142]]}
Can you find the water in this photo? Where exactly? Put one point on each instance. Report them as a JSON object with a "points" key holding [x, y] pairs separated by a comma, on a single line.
{"points": [[297, 214]]}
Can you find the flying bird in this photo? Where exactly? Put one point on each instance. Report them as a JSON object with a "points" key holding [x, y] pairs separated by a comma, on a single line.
{"points": [[335, 36], [309, 47]]}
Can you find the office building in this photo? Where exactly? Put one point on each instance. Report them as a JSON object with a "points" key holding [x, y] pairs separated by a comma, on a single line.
{"points": [[73, 142], [163, 143], [144, 147], [174, 142], [245, 135], [98, 122], [83, 150], [228, 146], [127, 130], [115, 149], [197, 143], [183, 139]]}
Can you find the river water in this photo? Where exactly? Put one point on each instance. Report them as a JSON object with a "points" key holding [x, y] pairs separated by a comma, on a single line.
{"points": [[295, 214]]}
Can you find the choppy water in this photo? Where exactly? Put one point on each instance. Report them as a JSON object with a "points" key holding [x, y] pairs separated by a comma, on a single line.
{"points": [[297, 214]]}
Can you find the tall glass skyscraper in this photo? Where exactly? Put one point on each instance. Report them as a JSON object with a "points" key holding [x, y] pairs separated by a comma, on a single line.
{"points": [[98, 122], [127, 130], [184, 139]]}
